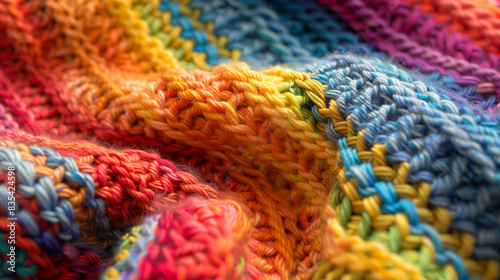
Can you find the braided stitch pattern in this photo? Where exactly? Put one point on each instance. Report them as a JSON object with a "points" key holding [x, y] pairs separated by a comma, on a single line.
{"points": [[422, 29], [206, 28], [369, 102], [123, 209], [274, 108], [188, 44], [262, 135], [128, 181], [401, 46], [254, 30], [50, 213], [320, 31], [308, 31], [118, 217]]}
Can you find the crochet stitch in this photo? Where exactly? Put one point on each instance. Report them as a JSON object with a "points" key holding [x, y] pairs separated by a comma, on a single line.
{"points": [[188, 139]]}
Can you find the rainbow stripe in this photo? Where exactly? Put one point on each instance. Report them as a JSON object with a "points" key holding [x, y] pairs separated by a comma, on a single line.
{"points": [[225, 139]]}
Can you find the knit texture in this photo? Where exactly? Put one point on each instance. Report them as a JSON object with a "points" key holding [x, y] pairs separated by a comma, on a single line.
{"points": [[191, 139]]}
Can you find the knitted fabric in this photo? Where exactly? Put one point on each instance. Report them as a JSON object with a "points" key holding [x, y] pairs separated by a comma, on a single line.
{"points": [[253, 139]]}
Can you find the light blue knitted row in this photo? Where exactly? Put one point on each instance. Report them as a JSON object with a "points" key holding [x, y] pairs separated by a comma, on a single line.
{"points": [[74, 176], [321, 31], [255, 30], [189, 32], [464, 85], [265, 38], [448, 146], [52, 209]]}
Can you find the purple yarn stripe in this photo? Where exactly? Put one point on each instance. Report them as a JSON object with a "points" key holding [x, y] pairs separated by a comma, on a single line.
{"points": [[399, 45], [421, 28]]}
